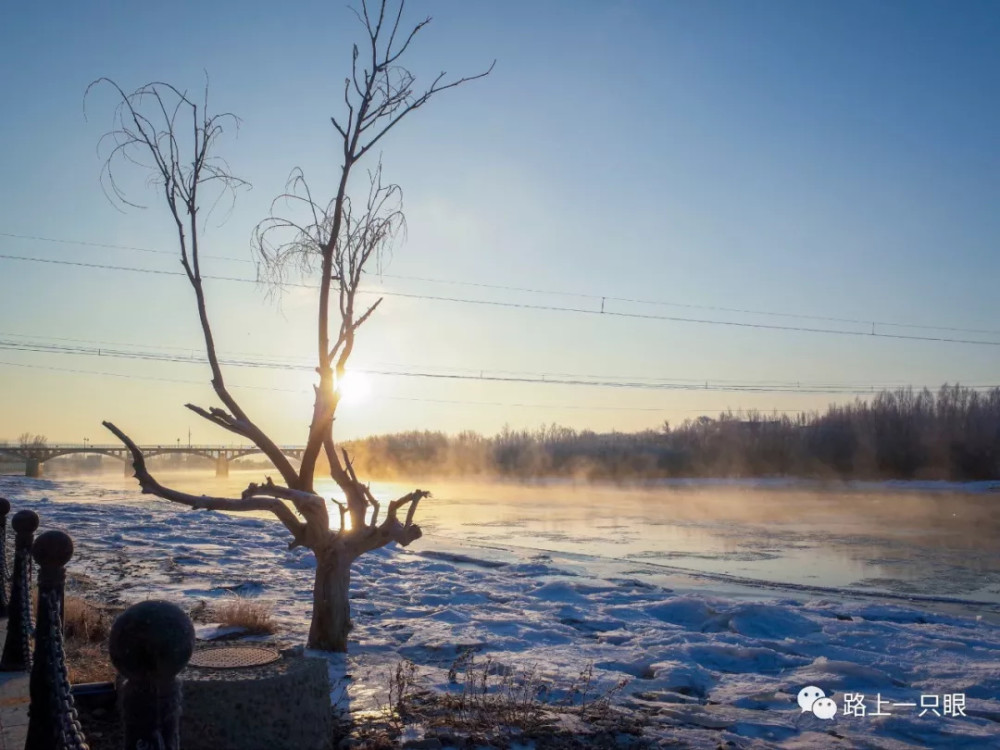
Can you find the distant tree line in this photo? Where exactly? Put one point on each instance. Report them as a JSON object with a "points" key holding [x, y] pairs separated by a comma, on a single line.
{"points": [[903, 434], [27, 440]]}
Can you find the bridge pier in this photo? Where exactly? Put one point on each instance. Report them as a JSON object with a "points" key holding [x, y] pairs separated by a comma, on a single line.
{"points": [[32, 468], [222, 466]]}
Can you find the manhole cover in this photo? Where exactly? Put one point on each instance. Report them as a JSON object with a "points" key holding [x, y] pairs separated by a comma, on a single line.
{"points": [[231, 657]]}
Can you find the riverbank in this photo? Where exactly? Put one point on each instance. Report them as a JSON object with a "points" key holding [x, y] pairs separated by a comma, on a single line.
{"points": [[707, 668]]}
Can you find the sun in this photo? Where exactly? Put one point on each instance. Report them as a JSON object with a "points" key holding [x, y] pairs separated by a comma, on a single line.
{"points": [[354, 387]]}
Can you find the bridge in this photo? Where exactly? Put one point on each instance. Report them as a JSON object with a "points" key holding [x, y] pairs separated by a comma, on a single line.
{"points": [[34, 456]]}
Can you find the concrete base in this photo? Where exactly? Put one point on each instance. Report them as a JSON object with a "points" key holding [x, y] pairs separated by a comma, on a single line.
{"points": [[221, 467], [33, 468], [279, 706]]}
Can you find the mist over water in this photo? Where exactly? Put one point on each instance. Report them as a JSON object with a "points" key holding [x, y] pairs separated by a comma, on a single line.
{"points": [[905, 543]]}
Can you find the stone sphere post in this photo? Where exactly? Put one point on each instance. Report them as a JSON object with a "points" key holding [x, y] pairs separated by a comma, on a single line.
{"points": [[150, 644], [52, 717], [17, 647], [4, 573]]}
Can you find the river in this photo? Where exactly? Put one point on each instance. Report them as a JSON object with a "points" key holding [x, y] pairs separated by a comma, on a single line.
{"points": [[855, 540]]}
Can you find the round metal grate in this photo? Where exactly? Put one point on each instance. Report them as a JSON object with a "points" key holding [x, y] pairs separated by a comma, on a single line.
{"points": [[232, 657]]}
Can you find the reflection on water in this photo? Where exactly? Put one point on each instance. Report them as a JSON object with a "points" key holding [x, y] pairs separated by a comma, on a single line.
{"points": [[928, 544]]}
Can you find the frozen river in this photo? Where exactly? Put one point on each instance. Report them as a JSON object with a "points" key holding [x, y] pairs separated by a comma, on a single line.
{"points": [[867, 539], [717, 603]]}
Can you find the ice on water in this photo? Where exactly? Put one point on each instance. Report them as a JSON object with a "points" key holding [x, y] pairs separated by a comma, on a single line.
{"points": [[709, 668]]}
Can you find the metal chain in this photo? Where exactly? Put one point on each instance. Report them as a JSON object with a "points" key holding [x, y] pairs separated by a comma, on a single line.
{"points": [[26, 629], [69, 733], [4, 568], [5, 574], [29, 576]]}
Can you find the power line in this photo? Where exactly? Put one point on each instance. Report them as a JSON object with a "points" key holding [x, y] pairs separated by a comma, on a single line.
{"points": [[191, 349], [703, 321], [460, 402], [483, 377], [110, 246], [547, 308], [531, 290], [196, 351], [132, 269], [78, 371], [128, 376]]}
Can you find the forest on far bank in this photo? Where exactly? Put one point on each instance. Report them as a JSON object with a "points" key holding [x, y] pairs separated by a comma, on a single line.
{"points": [[953, 434]]}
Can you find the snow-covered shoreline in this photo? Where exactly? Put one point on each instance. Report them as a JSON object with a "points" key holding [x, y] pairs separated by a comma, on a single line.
{"points": [[708, 668]]}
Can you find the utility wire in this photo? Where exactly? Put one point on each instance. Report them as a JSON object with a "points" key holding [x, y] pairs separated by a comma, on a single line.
{"points": [[77, 371], [190, 349], [596, 297], [548, 308], [193, 351], [110, 246], [129, 376], [575, 381]]}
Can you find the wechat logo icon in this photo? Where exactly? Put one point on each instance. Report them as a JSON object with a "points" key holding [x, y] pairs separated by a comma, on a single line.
{"points": [[812, 698]]}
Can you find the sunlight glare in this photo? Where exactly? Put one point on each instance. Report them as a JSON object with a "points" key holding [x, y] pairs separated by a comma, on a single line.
{"points": [[354, 387]]}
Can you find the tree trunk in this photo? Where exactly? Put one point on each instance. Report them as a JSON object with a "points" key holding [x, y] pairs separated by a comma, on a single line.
{"points": [[331, 618]]}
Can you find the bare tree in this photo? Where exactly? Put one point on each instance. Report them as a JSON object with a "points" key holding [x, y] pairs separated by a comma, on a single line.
{"points": [[161, 128], [27, 440]]}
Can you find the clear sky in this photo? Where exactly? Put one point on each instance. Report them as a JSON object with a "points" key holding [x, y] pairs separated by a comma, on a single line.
{"points": [[833, 159]]}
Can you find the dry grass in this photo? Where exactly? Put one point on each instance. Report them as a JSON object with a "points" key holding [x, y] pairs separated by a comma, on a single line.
{"points": [[86, 628], [88, 662], [84, 622], [253, 615], [497, 706]]}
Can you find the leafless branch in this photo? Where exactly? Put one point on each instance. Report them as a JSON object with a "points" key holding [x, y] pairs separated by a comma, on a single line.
{"points": [[349, 466], [173, 138], [399, 102], [161, 129], [343, 512], [221, 418], [336, 237], [391, 529], [410, 499], [243, 504], [367, 314], [372, 502]]}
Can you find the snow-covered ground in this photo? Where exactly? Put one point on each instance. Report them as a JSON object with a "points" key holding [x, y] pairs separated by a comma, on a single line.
{"points": [[712, 662]]}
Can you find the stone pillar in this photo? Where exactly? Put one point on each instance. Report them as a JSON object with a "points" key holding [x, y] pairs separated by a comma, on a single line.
{"points": [[4, 573], [52, 717], [32, 468], [16, 648], [150, 643], [222, 466]]}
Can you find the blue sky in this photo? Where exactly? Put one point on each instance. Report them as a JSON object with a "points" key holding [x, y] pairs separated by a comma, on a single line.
{"points": [[825, 159]]}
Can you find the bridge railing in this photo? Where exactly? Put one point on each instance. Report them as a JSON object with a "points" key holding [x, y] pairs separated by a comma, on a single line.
{"points": [[35, 457]]}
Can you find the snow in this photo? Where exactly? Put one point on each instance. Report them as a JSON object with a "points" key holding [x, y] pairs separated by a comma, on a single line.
{"points": [[215, 631], [709, 668]]}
